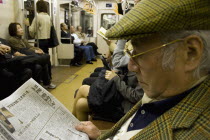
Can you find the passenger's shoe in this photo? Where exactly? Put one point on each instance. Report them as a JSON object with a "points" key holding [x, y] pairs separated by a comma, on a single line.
{"points": [[50, 86], [93, 59], [89, 62], [75, 64], [79, 63]]}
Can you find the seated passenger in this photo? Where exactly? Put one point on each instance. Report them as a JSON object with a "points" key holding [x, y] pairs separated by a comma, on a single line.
{"points": [[82, 36], [125, 86], [119, 62], [119, 57], [65, 38], [23, 47], [171, 58], [11, 77], [121, 92], [90, 56]]}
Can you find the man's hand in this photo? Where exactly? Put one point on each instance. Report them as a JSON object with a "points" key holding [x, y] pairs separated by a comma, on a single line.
{"points": [[4, 49], [108, 42], [19, 54], [83, 41], [39, 51], [90, 129], [110, 74]]}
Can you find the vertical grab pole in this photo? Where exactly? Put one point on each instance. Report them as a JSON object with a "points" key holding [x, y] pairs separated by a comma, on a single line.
{"points": [[35, 16], [70, 18]]}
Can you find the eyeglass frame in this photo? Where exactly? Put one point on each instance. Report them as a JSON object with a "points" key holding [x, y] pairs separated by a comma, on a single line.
{"points": [[150, 50]]}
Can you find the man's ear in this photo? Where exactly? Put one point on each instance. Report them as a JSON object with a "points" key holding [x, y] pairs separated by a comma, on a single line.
{"points": [[194, 50]]}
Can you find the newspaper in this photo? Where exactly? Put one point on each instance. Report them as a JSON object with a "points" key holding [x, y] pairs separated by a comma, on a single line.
{"points": [[32, 113], [102, 32]]}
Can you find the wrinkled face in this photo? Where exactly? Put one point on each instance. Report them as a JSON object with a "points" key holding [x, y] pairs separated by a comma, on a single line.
{"points": [[156, 82], [80, 29], [72, 30], [64, 26], [19, 30]]}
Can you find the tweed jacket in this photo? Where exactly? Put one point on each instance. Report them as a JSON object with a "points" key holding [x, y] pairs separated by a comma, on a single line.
{"points": [[189, 119]]}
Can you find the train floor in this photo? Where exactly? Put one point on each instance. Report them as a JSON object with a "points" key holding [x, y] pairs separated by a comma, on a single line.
{"points": [[68, 79]]}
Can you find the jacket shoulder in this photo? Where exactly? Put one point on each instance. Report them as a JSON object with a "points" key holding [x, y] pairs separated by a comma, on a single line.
{"points": [[13, 40], [198, 130]]}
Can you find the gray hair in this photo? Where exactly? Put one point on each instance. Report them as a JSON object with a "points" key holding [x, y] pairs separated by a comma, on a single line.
{"points": [[168, 61], [168, 53]]}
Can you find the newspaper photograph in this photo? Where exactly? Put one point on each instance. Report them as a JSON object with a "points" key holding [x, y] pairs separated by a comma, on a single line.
{"points": [[32, 113]]}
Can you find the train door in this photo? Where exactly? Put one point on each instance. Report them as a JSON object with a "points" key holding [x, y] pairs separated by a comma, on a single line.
{"points": [[106, 18], [65, 51]]}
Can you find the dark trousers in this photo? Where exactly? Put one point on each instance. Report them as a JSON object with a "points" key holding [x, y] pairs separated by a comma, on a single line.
{"points": [[78, 55], [44, 45], [95, 47], [37, 63], [45, 75], [40, 72], [36, 72], [11, 80]]}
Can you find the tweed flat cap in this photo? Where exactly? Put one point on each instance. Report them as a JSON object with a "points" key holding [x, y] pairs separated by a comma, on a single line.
{"points": [[152, 16]]}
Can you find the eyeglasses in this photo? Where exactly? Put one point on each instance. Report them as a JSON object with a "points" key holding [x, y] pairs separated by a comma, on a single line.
{"points": [[142, 53], [132, 56]]}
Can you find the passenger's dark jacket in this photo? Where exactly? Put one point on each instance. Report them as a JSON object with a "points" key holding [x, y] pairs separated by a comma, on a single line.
{"points": [[110, 99], [13, 72]]}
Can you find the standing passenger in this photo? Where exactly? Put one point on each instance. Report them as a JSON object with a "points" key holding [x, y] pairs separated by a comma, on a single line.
{"points": [[40, 27]]}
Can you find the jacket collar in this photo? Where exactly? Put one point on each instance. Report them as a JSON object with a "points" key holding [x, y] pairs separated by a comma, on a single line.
{"points": [[183, 115]]}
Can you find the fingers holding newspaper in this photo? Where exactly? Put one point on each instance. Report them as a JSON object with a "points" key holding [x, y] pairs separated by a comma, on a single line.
{"points": [[90, 129]]}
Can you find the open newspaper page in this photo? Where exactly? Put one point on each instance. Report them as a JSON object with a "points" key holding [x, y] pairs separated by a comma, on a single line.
{"points": [[32, 113], [102, 33]]}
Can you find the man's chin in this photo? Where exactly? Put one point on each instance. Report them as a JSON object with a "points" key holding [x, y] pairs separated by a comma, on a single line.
{"points": [[151, 95]]}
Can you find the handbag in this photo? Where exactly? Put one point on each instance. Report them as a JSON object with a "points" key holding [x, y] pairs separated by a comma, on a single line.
{"points": [[53, 41]]}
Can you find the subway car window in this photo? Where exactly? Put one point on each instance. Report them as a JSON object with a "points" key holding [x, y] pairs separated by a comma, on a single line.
{"points": [[108, 20], [65, 14], [86, 21]]}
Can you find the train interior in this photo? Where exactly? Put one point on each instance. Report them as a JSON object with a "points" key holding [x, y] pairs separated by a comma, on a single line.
{"points": [[91, 15]]}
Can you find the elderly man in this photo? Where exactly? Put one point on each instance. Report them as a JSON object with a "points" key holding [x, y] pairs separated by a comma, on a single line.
{"points": [[65, 39], [171, 58], [89, 53], [82, 36]]}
